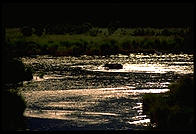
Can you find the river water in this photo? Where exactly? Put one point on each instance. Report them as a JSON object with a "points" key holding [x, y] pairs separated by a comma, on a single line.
{"points": [[82, 92]]}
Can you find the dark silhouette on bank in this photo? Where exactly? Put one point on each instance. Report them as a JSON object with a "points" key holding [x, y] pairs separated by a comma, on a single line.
{"points": [[12, 104]]}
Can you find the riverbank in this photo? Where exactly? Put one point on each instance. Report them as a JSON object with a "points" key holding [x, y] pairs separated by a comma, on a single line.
{"points": [[122, 41], [78, 90]]}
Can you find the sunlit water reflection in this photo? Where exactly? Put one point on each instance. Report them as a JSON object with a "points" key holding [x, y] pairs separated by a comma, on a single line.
{"points": [[81, 90]]}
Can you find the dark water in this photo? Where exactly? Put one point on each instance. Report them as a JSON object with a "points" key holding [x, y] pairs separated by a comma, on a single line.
{"points": [[82, 92]]}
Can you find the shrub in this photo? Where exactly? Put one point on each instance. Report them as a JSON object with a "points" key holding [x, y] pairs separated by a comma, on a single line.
{"points": [[173, 110], [52, 49], [139, 32], [15, 71], [94, 31], [39, 29], [109, 47], [25, 46], [112, 27], [126, 45], [86, 27], [26, 31], [13, 106], [79, 29], [55, 29], [182, 92]]}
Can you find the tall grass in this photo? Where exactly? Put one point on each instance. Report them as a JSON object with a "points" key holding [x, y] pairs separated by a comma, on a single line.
{"points": [[173, 110], [122, 41]]}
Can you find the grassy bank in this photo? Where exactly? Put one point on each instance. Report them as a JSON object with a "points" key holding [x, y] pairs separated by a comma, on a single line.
{"points": [[98, 41], [173, 110]]}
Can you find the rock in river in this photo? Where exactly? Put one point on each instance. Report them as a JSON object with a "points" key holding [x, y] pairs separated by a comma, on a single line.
{"points": [[113, 66]]}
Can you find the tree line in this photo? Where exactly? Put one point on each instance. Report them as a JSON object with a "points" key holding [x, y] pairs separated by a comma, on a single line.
{"points": [[40, 29]]}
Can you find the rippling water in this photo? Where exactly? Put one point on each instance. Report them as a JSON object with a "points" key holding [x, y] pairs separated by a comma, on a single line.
{"points": [[81, 90]]}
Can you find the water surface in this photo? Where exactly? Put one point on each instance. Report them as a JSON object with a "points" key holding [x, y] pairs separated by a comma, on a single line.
{"points": [[81, 90]]}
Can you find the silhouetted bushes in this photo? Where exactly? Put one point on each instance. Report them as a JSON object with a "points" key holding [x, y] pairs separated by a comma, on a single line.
{"points": [[26, 31], [109, 47], [67, 28], [112, 27], [73, 40], [15, 71], [86, 27], [173, 110], [55, 29], [94, 31], [13, 104], [139, 32], [39, 29]]}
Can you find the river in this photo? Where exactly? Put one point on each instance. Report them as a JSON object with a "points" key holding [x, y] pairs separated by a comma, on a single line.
{"points": [[85, 95]]}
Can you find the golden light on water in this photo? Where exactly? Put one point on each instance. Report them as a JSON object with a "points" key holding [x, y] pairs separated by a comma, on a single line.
{"points": [[77, 106], [81, 90]]}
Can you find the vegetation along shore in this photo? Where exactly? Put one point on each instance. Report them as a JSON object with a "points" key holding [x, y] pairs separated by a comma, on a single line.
{"points": [[74, 40]]}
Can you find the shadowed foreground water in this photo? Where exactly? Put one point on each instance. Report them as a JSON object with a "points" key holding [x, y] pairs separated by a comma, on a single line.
{"points": [[79, 93]]}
